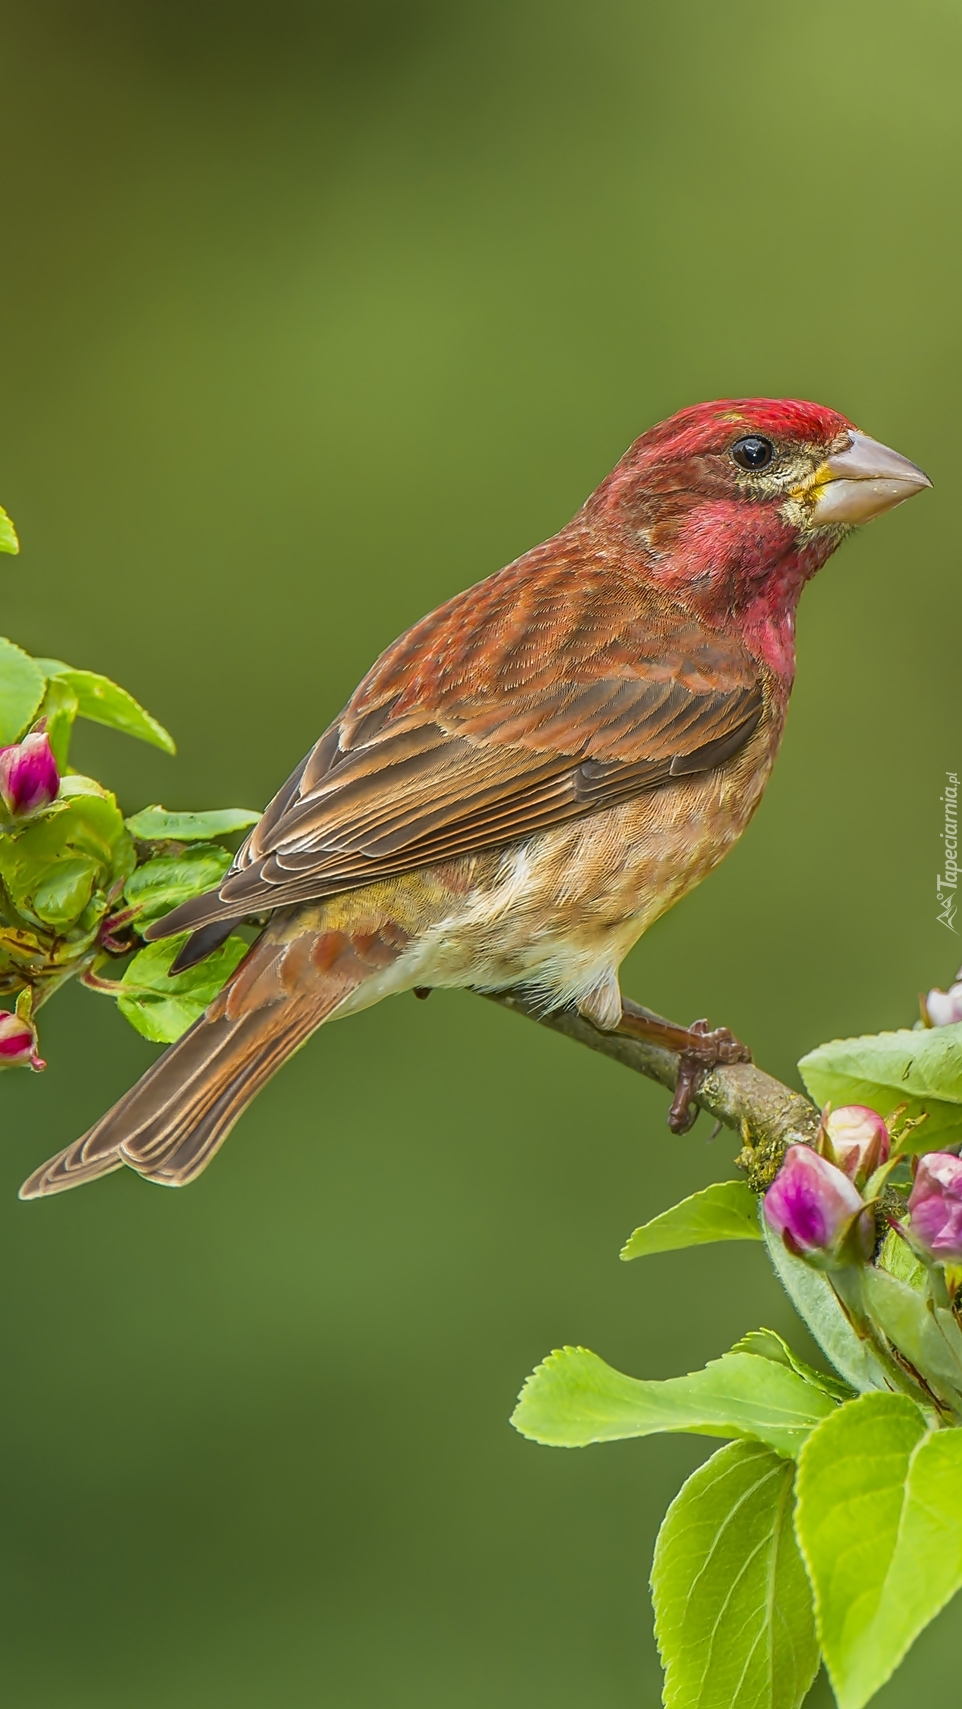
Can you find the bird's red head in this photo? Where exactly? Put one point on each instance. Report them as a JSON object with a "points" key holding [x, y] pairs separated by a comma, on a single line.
{"points": [[731, 506], [707, 431]]}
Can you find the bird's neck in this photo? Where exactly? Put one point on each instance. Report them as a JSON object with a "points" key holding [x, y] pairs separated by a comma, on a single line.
{"points": [[735, 568], [767, 627], [763, 607]]}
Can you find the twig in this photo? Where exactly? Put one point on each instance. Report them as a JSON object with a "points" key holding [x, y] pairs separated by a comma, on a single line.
{"points": [[766, 1114]]}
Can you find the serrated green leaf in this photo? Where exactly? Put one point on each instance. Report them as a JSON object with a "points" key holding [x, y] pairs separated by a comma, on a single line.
{"points": [[105, 702], [21, 691], [53, 865], [157, 825], [162, 1008], [727, 1210], [814, 1299], [161, 883], [921, 1068], [766, 1344], [879, 1521], [733, 1606], [8, 534], [59, 707], [574, 1398]]}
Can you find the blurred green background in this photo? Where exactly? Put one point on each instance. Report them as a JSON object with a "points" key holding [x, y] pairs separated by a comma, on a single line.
{"points": [[314, 312]]}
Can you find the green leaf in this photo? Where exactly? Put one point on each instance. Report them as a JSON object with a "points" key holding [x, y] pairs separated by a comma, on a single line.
{"points": [[921, 1068], [166, 880], [74, 852], [899, 1260], [766, 1344], [575, 1398], [879, 1521], [163, 1008], [21, 691], [813, 1297], [104, 702], [156, 825], [8, 534], [733, 1606], [61, 895], [928, 1337], [59, 707], [727, 1210]]}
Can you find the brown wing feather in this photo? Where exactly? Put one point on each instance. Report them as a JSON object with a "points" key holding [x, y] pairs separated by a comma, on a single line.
{"points": [[513, 708]]}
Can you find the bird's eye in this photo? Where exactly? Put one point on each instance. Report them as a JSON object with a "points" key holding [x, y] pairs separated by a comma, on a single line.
{"points": [[753, 452]]}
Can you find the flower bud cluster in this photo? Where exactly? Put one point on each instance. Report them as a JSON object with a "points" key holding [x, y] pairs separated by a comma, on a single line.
{"points": [[816, 1205], [824, 1204]]}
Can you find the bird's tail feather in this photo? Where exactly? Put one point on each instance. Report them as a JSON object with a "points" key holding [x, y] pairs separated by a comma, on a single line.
{"points": [[170, 1124]]}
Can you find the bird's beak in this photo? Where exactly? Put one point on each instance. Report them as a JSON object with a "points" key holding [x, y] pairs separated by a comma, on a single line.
{"points": [[862, 481]]}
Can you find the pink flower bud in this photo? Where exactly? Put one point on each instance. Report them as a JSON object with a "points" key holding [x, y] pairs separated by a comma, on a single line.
{"points": [[811, 1204], [29, 778], [18, 1042], [944, 1007], [935, 1207], [859, 1138]]}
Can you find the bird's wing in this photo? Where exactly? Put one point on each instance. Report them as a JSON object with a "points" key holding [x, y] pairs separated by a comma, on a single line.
{"points": [[481, 727]]}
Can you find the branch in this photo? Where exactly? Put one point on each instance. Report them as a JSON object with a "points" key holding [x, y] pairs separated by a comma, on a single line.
{"points": [[766, 1114]]}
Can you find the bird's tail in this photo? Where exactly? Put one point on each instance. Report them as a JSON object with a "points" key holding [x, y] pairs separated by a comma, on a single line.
{"points": [[169, 1125]]}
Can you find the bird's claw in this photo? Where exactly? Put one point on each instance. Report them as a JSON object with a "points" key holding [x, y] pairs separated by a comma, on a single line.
{"points": [[708, 1048]]}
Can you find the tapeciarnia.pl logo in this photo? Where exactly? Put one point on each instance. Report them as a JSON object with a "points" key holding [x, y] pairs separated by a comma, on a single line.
{"points": [[947, 882]]}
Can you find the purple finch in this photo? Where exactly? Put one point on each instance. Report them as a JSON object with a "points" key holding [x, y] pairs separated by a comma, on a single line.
{"points": [[531, 775]]}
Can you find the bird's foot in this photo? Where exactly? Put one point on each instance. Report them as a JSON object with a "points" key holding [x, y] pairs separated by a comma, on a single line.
{"points": [[700, 1048]]}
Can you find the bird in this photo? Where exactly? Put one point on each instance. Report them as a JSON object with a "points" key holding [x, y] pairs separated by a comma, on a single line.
{"points": [[528, 777]]}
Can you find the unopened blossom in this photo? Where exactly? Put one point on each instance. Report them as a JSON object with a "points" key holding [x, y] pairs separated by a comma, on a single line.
{"points": [[29, 779], [935, 1207], [945, 1007], [811, 1204], [859, 1140], [18, 1042]]}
